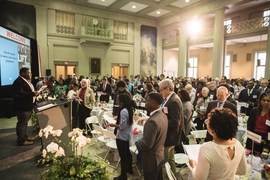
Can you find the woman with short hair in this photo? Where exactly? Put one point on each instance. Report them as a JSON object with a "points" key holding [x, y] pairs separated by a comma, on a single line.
{"points": [[224, 157]]}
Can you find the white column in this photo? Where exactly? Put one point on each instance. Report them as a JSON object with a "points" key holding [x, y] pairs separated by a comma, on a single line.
{"points": [[159, 51], [41, 29], [218, 49], [267, 63], [183, 52], [137, 48]]}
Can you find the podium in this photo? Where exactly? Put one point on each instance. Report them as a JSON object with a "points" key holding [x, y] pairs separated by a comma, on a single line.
{"points": [[57, 114]]}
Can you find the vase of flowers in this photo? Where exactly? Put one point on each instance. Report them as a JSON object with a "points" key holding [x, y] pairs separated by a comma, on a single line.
{"points": [[77, 166]]}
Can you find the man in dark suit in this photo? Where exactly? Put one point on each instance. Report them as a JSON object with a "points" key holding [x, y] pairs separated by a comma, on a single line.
{"points": [[106, 90], [23, 103], [172, 107], [154, 135], [263, 86], [249, 96], [221, 102]]}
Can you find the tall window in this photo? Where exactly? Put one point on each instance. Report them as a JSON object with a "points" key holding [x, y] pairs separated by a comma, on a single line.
{"points": [[192, 67], [259, 64], [227, 64]]}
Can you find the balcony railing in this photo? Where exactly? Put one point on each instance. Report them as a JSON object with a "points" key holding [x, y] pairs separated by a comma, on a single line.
{"points": [[96, 32], [249, 25]]}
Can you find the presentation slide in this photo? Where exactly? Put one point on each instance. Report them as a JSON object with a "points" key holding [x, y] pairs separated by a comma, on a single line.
{"points": [[14, 54]]}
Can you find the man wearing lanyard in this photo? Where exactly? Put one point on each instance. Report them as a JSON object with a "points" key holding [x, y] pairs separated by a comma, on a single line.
{"points": [[23, 103], [221, 102], [172, 107]]}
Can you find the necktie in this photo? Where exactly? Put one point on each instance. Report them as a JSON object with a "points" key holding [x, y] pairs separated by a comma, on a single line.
{"points": [[164, 100], [248, 92], [220, 105]]}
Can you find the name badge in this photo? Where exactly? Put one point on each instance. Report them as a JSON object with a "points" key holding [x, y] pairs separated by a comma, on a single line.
{"points": [[165, 110], [254, 96], [267, 122], [202, 108], [211, 96], [88, 95]]}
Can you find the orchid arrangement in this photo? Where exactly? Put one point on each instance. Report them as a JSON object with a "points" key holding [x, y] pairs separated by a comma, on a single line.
{"points": [[77, 166]]}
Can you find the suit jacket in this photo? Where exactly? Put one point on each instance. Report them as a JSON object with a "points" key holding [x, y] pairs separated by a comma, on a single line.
{"points": [[267, 90], [213, 105], [175, 117], [89, 98], [152, 143], [22, 96], [107, 90], [253, 97]]}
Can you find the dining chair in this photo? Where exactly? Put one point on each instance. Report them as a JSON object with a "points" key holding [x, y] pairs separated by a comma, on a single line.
{"points": [[111, 144], [199, 135], [134, 151], [101, 139]]}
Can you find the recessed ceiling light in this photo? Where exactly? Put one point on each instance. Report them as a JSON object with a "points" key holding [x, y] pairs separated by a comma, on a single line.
{"points": [[133, 7], [187, 0], [158, 12], [245, 40], [102, 0]]}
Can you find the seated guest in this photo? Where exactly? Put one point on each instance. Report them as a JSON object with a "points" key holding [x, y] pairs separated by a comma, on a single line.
{"points": [[154, 135], [257, 122], [224, 157], [201, 107]]}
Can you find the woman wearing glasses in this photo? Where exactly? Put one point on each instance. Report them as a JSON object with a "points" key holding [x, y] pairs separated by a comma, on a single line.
{"points": [[259, 122], [223, 157]]}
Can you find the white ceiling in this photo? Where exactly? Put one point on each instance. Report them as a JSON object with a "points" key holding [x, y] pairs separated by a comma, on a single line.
{"points": [[148, 9]]}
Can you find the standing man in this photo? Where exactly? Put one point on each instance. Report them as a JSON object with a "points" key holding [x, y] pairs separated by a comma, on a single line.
{"points": [[106, 90], [24, 96], [172, 107], [221, 102], [250, 96], [154, 135], [263, 86]]}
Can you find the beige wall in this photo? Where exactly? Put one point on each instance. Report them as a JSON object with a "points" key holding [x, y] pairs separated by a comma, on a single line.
{"points": [[205, 57], [240, 68], [243, 68]]}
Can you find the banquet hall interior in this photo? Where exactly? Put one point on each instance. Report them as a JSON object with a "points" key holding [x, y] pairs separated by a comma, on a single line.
{"points": [[121, 38]]}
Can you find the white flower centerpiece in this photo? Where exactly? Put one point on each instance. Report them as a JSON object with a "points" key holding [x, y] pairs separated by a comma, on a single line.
{"points": [[65, 167]]}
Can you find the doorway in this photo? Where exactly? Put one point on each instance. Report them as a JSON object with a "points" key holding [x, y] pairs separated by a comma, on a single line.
{"points": [[64, 71], [119, 71]]}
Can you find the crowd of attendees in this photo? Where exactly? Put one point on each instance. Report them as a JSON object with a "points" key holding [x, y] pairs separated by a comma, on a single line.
{"points": [[200, 95]]}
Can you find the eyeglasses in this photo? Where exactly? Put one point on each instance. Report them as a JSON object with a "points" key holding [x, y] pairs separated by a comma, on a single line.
{"points": [[162, 89], [206, 121]]}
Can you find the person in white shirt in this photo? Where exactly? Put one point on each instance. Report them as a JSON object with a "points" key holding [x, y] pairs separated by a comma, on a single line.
{"points": [[224, 157]]}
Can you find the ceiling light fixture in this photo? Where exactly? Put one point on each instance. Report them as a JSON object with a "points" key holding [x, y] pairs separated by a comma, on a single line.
{"points": [[187, 0], [158, 12], [133, 7], [102, 0]]}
